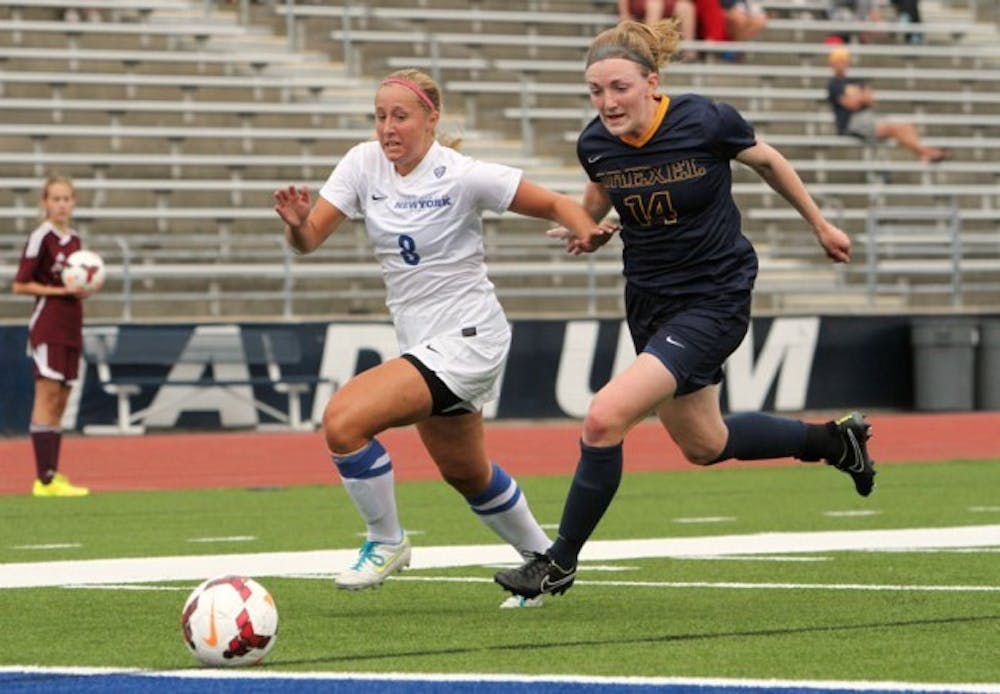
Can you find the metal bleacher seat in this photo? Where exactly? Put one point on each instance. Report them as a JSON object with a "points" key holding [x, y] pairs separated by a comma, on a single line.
{"points": [[748, 98], [164, 166], [142, 8], [190, 108], [129, 61], [261, 85], [142, 33], [813, 73]]}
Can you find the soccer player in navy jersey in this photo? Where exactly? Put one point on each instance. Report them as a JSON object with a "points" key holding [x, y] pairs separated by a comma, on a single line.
{"points": [[55, 332], [663, 164]]}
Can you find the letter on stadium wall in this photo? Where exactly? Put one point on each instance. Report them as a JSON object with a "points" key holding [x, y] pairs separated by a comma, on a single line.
{"points": [[576, 362], [233, 403], [790, 347], [342, 349]]}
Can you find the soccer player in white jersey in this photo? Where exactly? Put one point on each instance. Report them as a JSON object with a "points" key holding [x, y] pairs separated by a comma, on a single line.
{"points": [[422, 202]]}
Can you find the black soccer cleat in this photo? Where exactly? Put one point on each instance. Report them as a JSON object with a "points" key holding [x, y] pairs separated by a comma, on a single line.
{"points": [[854, 430], [536, 576]]}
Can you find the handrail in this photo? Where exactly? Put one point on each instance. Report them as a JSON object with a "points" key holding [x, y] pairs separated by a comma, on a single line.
{"points": [[592, 270], [924, 227]]}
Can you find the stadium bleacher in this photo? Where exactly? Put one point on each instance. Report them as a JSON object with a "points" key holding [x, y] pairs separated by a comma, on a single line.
{"points": [[176, 119]]}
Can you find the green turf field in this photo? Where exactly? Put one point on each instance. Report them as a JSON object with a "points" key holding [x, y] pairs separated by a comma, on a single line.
{"points": [[915, 616]]}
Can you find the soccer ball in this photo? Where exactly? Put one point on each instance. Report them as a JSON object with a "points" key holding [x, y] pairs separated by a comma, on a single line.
{"points": [[83, 270], [230, 621]]}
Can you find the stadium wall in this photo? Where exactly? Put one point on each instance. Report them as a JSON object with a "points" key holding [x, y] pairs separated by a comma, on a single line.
{"points": [[785, 364]]}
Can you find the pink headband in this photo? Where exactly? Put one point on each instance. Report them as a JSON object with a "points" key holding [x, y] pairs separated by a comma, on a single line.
{"points": [[413, 87]]}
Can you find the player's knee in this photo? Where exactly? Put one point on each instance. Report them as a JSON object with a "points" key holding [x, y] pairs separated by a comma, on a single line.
{"points": [[343, 435], [699, 450], [464, 479], [602, 426], [700, 455]]}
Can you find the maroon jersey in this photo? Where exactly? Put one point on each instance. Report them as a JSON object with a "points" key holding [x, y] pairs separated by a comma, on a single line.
{"points": [[55, 319]]}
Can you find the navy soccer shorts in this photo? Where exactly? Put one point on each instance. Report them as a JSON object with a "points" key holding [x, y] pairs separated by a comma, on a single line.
{"points": [[692, 336]]}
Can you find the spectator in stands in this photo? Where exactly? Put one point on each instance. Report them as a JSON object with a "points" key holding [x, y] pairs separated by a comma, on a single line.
{"points": [[729, 20], [78, 12], [652, 11], [422, 202], [744, 19], [663, 164], [851, 100], [711, 20], [866, 11], [856, 10], [55, 333], [908, 11]]}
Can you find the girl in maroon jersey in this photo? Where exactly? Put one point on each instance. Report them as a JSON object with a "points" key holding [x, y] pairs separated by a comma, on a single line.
{"points": [[55, 331]]}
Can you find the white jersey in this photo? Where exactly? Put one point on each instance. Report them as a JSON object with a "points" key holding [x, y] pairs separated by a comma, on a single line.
{"points": [[427, 232]]}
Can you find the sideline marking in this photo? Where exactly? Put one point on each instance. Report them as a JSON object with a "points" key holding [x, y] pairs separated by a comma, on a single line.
{"points": [[231, 538], [184, 568], [54, 545], [127, 586], [729, 585], [732, 585], [614, 568], [761, 557], [677, 684]]}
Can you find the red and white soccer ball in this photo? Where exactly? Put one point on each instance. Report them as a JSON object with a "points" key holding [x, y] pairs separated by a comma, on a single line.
{"points": [[84, 270], [230, 621]]}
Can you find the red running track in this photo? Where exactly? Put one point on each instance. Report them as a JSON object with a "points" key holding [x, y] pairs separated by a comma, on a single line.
{"points": [[207, 460]]}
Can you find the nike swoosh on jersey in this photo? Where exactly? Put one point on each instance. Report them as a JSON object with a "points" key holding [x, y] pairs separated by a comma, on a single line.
{"points": [[376, 196], [672, 341], [593, 158]]}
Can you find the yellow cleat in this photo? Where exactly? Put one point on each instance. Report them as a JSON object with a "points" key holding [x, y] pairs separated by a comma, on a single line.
{"points": [[59, 486]]}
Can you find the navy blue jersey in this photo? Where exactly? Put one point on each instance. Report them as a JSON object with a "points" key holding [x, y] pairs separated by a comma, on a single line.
{"points": [[672, 189], [834, 90]]}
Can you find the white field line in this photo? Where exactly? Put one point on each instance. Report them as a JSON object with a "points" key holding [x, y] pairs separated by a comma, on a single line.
{"points": [[184, 568], [732, 585], [728, 585], [714, 682]]}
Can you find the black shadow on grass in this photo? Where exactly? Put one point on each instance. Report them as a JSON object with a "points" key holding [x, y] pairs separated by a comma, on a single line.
{"points": [[666, 638]]}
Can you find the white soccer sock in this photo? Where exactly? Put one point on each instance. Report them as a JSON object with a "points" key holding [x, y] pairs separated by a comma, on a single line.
{"points": [[504, 510], [368, 479]]}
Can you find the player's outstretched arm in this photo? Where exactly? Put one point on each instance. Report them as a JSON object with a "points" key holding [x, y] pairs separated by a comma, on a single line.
{"points": [[579, 227], [778, 173], [306, 226]]}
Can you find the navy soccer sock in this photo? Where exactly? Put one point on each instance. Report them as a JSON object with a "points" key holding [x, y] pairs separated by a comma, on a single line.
{"points": [[759, 436], [594, 485]]}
